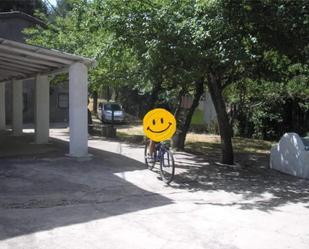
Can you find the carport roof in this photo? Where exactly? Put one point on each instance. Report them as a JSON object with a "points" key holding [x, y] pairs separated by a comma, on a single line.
{"points": [[22, 61]]}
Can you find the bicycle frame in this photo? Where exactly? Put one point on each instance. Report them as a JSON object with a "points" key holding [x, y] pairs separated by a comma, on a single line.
{"points": [[164, 156], [160, 150]]}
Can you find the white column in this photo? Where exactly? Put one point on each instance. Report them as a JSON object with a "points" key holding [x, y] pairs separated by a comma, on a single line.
{"points": [[78, 96], [2, 106], [41, 109], [17, 101]]}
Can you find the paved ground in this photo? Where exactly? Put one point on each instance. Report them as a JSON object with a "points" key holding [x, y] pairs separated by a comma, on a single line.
{"points": [[112, 201]]}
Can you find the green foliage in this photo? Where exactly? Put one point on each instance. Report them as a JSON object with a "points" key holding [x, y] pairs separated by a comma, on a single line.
{"points": [[273, 98], [262, 105], [148, 49], [78, 32]]}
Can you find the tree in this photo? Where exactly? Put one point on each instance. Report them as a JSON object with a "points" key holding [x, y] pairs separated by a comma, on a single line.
{"points": [[162, 49], [247, 40], [184, 125], [77, 31], [162, 45], [168, 50], [278, 84]]}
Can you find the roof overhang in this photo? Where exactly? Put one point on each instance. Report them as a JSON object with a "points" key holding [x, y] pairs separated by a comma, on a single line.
{"points": [[23, 61], [20, 14]]}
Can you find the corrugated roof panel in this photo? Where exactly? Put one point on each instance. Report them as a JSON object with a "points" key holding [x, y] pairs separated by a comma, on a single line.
{"points": [[21, 60]]}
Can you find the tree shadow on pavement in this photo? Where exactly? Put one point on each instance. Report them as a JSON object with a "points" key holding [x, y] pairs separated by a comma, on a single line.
{"points": [[250, 184]]}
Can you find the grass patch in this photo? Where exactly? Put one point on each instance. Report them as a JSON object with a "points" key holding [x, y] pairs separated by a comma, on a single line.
{"points": [[130, 138], [198, 117], [202, 143]]}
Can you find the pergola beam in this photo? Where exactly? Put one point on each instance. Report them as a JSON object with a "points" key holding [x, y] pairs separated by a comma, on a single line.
{"points": [[14, 72], [18, 67], [4, 76], [22, 63], [34, 54], [5, 73], [34, 61], [31, 76], [52, 52]]}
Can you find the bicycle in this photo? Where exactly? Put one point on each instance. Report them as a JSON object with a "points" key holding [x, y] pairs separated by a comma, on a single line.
{"points": [[164, 156]]}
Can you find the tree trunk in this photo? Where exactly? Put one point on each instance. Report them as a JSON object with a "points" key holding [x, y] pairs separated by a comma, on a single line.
{"points": [[116, 90], [180, 142], [154, 94], [95, 102], [178, 107], [225, 129], [108, 95]]}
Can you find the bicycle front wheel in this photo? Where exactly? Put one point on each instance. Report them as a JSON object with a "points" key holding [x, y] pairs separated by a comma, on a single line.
{"points": [[167, 166]]}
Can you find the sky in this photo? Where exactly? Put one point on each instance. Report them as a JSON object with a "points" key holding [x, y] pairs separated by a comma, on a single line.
{"points": [[53, 2]]}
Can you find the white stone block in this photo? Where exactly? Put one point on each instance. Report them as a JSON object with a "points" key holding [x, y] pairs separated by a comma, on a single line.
{"points": [[290, 156]]}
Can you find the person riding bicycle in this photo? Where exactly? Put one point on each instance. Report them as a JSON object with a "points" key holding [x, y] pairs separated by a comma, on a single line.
{"points": [[159, 125], [156, 136], [151, 148]]}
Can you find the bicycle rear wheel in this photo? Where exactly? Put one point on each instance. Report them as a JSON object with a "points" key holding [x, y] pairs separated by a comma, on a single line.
{"points": [[149, 159], [167, 166]]}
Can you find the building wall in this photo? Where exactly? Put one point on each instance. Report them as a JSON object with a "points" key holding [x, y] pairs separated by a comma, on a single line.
{"points": [[11, 27], [59, 102], [205, 108], [210, 115]]}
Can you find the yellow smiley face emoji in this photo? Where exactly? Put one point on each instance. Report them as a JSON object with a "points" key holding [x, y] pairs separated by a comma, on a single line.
{"points": [[159, 125]]}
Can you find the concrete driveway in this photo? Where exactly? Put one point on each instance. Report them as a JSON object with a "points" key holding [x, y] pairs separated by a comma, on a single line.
{"points": [[112, 201]]}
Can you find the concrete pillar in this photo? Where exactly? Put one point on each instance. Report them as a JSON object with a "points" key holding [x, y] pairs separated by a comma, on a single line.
{"points": [[41, 109], [78, 101], [2, 106], [17, 101]]}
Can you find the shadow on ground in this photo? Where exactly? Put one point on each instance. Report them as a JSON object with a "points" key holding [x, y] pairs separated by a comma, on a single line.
{"points": [[23, 146], [121, 137], [255, 185], [50, 190], [251, 181]]}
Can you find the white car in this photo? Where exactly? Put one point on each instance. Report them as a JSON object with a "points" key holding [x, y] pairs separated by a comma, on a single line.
{"points": [[105, 112]]}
